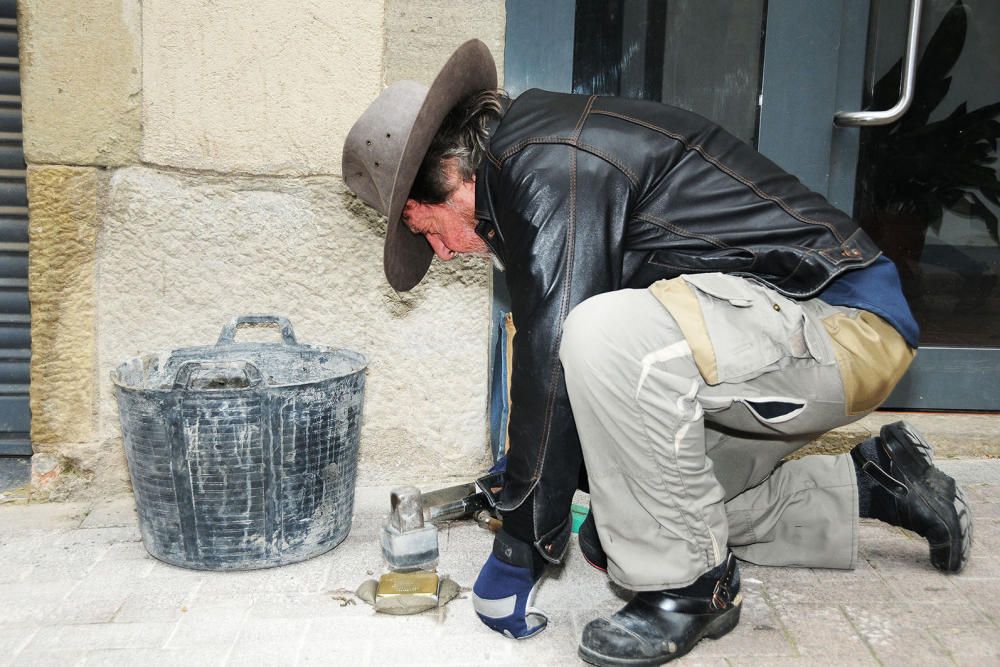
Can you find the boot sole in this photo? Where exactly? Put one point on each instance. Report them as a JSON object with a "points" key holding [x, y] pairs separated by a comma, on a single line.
{"points": [[953, 555], [719, 627]]}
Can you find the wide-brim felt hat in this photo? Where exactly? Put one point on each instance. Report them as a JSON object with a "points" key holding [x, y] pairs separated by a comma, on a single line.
{"points": [[386, 146]]}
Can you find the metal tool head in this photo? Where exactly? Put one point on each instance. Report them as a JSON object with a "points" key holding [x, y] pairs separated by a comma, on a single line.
{"points": [[408, 544], [406, 509]]}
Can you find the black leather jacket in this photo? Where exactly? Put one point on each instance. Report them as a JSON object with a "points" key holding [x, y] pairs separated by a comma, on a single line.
{"points": [[583, 195]]}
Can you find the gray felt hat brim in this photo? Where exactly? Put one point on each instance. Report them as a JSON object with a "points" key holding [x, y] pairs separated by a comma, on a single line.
{"points": [[386, 146]]}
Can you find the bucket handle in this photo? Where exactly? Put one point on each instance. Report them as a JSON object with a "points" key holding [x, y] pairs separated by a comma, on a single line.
{"points": [[184, 374], [228, 334]]}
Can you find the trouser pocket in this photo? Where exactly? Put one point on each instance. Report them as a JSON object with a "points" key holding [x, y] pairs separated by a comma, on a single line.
{"points": [[737, 329]]}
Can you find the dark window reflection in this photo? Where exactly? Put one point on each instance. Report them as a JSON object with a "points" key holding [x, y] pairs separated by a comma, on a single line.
{"points": [[928, 191], [700, 55]]}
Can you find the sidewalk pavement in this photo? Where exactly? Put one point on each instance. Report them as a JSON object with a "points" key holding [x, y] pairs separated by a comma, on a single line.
{"points": [[77, 587]]}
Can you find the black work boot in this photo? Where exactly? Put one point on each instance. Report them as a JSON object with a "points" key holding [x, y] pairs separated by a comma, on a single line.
{"points": [[658, 626], [919, 497], [590, 544]]}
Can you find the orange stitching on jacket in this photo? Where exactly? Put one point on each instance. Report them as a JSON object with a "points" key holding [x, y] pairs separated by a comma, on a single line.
{"points": [[583, 117], [557, 367], [611, 160], [567, 141], [802, 260], [534, 140], [493, 159], [681, 232], [728, 170]]}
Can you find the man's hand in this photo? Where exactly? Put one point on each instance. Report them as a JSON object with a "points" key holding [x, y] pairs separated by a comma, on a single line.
{"points": [[504, 593]]}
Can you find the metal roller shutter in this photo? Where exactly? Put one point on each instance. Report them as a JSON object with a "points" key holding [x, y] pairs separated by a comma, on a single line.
{"points": [[15, 313]]}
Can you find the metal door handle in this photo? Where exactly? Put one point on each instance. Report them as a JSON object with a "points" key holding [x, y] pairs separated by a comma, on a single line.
{"points": [[869, 118]]}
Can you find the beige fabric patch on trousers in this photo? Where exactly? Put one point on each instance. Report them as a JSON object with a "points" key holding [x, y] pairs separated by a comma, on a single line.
{"points": [[871, 356], [681, 302]]}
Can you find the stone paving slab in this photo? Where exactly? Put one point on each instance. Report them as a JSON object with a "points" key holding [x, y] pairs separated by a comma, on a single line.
{"points": [[954, 434], [78, 588]]}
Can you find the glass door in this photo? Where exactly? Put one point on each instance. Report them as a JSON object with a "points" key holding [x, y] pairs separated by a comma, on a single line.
{"points": [[775, 73], [928, 189]]}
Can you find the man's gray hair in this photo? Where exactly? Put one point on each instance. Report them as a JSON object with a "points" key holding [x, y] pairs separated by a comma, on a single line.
{"points": [[464, 138]]}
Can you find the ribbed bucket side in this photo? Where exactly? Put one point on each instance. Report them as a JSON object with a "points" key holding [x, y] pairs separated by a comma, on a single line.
{"points": [[224, 469], [148, 452], [318, 430]]}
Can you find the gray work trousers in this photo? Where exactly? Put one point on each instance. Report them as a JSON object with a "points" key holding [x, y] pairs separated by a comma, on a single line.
{"points": [[688, 395]]}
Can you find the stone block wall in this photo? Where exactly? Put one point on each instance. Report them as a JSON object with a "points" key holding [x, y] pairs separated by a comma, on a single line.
{"points": [[63, 251], [81, 81], [260, 88], [184, 167]]}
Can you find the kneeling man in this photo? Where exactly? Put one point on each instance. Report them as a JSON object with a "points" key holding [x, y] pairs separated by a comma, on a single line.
{"points": [[688, 315]]}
